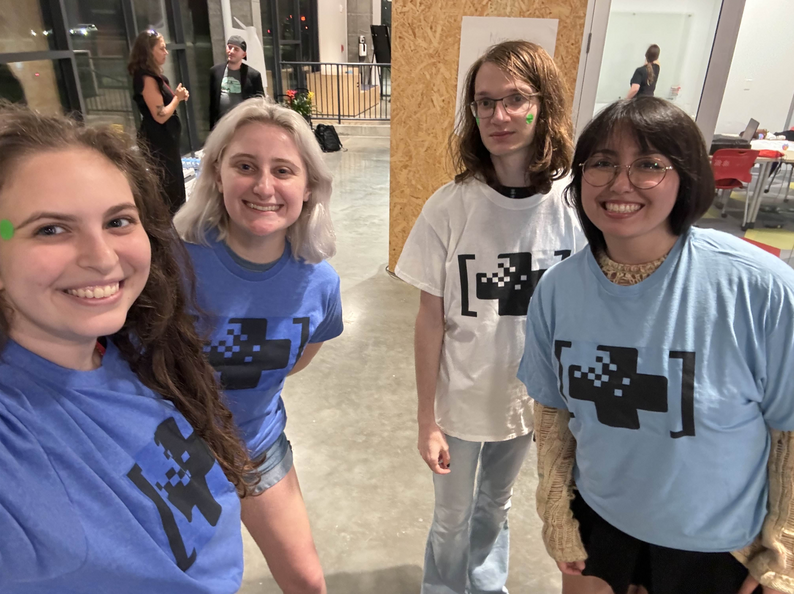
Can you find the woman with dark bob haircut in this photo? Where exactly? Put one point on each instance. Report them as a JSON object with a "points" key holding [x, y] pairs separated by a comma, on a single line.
{"points": [[476, 253], [661, 364]]}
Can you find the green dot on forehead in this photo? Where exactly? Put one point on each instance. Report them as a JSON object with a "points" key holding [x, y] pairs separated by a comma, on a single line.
{"points": [[6, 229]]}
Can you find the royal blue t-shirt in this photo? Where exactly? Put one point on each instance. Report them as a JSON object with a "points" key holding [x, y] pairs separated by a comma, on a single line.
{"points": [[106, 488], [261, 322], [672, 385]]}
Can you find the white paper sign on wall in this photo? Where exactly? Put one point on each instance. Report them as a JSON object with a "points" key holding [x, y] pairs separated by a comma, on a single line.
{"points": [[477, 34]]}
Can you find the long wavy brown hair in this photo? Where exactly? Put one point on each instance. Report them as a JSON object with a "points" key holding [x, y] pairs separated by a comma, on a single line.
{"points": [[553, 144], [141, 57], [159, 338]]}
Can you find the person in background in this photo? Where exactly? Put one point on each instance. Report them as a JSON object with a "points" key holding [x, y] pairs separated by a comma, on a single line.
{"points": [[660, 361], [643, 83], [121, 467], [476, 253], [160, 130], [234, 81]]}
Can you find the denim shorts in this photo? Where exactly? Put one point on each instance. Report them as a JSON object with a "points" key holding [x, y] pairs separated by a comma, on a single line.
{"points": [[273, 465]]}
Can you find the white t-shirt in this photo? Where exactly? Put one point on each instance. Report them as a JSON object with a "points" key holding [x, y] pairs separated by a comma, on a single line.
{"points": [[484, 253]]}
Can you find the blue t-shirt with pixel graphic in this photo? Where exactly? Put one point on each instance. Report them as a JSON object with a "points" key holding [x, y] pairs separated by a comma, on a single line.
{"points": [[106, 487], [672, 385], [260, 323]]}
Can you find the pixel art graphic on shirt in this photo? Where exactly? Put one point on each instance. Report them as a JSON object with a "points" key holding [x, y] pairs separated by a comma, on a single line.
{"points": [[174, 471], [245, 351], [512, 285], [619, 391]]}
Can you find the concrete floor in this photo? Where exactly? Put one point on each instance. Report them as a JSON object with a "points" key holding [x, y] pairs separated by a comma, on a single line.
{"points": [[352, 418]]}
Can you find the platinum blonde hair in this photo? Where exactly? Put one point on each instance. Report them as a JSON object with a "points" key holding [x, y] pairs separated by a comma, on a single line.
{"points": [[312, 236]]}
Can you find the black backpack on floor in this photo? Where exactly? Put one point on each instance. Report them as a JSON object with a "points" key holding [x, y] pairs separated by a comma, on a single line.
{"points": [[328, 138]]}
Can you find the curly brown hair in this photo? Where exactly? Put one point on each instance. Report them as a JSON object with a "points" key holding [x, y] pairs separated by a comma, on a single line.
{"points": [[141, 57], [159, 338], [553, 143]]}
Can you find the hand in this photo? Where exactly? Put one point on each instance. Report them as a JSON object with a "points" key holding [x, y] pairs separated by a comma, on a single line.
{"points": [[750, 584], [571, 567], [434, 449], [182, 93]]}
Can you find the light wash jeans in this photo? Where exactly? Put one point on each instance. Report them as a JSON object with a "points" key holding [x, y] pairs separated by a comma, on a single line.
{"points": [[468, 546]]}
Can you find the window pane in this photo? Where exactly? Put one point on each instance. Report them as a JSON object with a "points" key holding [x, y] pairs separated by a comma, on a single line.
{"points": [[38, 84], [685, 34], [286, 19], [308, 25], [196, 24], [267, 41], [99, 38], [24, 27], [150, 14]]}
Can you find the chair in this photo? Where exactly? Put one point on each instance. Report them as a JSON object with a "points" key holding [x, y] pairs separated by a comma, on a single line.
{"points": [[731, 167]]}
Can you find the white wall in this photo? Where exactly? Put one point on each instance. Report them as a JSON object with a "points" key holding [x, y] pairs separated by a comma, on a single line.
{"points": [[683, 61], [761, 80], [332, 21]]}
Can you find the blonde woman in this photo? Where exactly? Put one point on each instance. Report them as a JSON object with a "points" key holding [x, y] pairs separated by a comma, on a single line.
{"points": [[258, 230]]}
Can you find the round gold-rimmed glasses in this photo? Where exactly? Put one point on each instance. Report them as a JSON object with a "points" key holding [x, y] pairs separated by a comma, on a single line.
{"points": [[644, 173]]}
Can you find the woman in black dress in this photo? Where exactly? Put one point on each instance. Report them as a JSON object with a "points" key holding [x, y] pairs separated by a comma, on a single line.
{"points": [[160, 127], [644, 80]]}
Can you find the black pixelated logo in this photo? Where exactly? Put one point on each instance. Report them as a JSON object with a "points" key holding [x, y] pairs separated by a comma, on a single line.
{"points": [[619, 391], [512, 284], [246, 351], [183, 485]]}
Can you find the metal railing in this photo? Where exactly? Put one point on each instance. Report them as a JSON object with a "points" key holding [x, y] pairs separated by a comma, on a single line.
{"points": [[107, 89], [343, 91]]}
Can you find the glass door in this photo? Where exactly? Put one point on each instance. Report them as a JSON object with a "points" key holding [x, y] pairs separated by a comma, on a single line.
{"points": [[696, 39]]}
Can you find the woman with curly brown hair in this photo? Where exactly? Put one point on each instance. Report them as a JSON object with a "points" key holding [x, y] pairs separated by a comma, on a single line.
{"points": [[121, 466], [160, 130], [477, 251]]}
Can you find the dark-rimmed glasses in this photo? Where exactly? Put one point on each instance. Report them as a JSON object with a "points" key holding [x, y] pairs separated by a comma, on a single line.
{"points": [[644, 173], [514, 104]]}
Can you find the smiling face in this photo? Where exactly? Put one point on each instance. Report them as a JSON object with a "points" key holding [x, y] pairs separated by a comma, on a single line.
{"points": [[622, 211], [505, 133], [79, 256], [264, 184]]}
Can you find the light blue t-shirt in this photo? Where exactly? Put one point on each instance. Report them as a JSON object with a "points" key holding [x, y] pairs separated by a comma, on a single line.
{"points": [[673, 385], [260, 323], [105, 487]]}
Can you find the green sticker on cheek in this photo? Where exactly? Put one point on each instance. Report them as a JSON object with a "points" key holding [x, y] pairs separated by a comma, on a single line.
{"points": [[530, 118], [6, 229], [478, 121]]}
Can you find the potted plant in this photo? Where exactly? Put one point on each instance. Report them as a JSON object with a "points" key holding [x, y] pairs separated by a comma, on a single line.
{"points": [[300, 100]]}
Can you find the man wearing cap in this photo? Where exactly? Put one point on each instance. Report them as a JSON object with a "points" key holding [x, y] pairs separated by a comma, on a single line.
{"points": [[232, 82]]}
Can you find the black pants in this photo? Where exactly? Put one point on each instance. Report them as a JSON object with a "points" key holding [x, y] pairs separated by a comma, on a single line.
{"points": [[172, 179], [161, 143], [622, 560]]}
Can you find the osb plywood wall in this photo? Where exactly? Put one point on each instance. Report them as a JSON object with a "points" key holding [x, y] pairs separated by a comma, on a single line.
{"points": [[425, 47]]}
